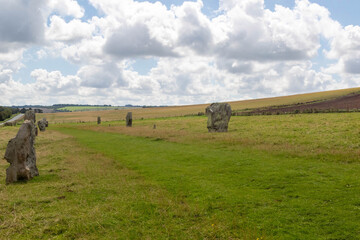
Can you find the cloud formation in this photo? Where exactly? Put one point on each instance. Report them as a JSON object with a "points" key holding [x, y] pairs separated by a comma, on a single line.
{"points": [[22, 23], [135, 41], [244, 51]]}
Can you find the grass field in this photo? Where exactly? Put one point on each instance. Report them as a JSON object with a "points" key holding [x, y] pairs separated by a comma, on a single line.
{"points": [[177, 111], [269, 177], [88, 108]]}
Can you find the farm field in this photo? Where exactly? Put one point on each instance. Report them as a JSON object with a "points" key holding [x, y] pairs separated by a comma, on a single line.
{"points": [[88, 108], [346, 103], [177, 111], [269, 177]]}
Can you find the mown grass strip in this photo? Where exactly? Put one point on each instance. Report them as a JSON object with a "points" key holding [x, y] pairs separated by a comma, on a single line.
{"points": [[277, 196], [81, 194]]}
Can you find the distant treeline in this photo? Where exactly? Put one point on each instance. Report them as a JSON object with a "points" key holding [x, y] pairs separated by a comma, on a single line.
{"points": [[143, 106], [31, 106], [78, 105], [57, 106], [6, 112]]}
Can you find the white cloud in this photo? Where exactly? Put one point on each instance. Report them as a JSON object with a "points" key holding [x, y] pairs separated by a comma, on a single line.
{"points": [[66, 8], [246, 51], [345, 47], [252, 8], [21, 24], [87, 51], [49, 83], [135, 41], [101, 76], [249, 32], [5, 75], [12, 59], [72, 31], [194, 29]]}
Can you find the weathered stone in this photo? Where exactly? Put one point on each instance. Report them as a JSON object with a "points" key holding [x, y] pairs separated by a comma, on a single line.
{"points": [[99, 120], [154, 127], [21, 155], [10, 123], [46, 122], [218, 117], [30, 115], [129, 119], [42, 125]]}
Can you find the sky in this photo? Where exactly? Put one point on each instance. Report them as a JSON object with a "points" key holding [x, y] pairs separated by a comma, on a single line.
{"points": [[174, 52]]}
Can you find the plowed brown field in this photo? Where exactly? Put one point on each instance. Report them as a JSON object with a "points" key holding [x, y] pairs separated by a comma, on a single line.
{"points": [[349, 102]]}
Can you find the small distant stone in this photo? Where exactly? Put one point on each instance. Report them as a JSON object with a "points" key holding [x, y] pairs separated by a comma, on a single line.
{"points": [[46, 122], [154, 127], [129, 119], [42, 125], [98, 120], [218, 117]]}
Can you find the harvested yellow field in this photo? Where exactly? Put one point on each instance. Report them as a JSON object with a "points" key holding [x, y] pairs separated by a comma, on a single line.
{"points": [[177, 111]]}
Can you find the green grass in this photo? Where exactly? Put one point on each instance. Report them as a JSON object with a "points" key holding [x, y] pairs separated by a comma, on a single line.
{"points": [[81, 194], [276, 177], [277, 196], [327, 137]]}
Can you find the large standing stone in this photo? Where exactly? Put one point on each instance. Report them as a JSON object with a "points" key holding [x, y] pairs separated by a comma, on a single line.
{"points": [[99, 120], [30, 115], [218, 117], [129, 119], [21, 155], [42, 125]]}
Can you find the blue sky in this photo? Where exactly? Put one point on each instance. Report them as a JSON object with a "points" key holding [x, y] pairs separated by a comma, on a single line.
{"points": [[174, 52]]}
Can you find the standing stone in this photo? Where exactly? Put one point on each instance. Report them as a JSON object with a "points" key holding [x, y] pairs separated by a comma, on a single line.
{"points": [[154, 127], [218, 117], [10, 124], [99, 120], [42, 125], [30, 115], [129, 119], [21, 155], [46, 122]]}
